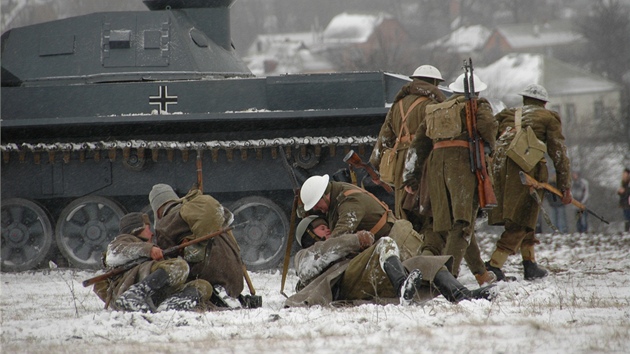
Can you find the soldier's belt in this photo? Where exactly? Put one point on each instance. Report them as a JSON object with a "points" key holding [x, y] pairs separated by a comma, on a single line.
{"points": [[450, 143]]}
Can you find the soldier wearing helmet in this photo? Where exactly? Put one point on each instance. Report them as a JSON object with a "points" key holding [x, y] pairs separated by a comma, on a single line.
{"points": [[517, 211], [398, 130], [354, 267], [439, 157]]}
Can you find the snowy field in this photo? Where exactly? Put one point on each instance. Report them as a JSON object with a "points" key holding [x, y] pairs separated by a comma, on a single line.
{"points": [[582, 307]]}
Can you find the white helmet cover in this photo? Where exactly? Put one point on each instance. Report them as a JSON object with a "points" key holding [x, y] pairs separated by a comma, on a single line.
{"points": [[535, 91], [458, 85], [429, 71], [313, 190]]}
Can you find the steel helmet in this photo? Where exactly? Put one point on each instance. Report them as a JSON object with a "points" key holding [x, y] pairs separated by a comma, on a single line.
{"points": [[535, 91], [429, 71], [302, 226], [313, 190], [458, 85]]}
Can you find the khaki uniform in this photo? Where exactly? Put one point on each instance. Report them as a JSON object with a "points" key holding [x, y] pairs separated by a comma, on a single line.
{"points": [[353, 209], [516, 209], [453, 187], [197, 215], [338, 270], [391, 129]]}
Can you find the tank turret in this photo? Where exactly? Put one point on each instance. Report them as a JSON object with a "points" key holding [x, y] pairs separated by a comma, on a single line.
{"points": [[96, 109]]}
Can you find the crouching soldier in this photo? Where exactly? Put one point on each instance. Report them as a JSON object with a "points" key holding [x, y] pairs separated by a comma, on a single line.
{"points": [[218, 260], [352, 267], [154, 285]]}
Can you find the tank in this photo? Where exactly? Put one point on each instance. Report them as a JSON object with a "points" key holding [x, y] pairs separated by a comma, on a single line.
{"points": [[96, 109]]}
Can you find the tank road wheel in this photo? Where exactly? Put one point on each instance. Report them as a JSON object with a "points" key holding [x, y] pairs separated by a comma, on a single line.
{"points": [[27, 235], [84, 229], [263, 239]]}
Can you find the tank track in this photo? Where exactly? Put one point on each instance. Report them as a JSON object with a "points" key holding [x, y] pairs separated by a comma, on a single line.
{"points": [[140, 149]]}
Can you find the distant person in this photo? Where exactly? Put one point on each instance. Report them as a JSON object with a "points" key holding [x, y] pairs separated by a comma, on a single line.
{"points": [[558, 213], [399, 129], [354, 268], [517, 211], [580, 191], [624, 197]]}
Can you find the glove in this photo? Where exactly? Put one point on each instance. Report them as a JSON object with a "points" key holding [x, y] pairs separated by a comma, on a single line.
{"points": [[366, 239], [566, 197]]}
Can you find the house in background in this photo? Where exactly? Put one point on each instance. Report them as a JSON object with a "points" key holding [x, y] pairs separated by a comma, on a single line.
{"points": [[555, 39], [449, 52], [589, 105], [369, 42], [288, 53], [350, 42]]}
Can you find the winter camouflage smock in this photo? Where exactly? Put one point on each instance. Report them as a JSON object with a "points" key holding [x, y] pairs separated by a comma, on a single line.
{"points": [[391, 129], [452, 186], [514, 201]]}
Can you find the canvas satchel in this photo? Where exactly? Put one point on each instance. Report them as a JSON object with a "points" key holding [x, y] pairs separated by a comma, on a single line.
{"points": [[387, 167], [443, 120], [525, 149]]}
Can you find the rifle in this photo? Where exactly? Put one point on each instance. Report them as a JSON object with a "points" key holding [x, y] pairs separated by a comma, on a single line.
{"points": [[294, 208], [353, 159], [168, 251], [533, 183], [199, 166], [487, 198]]}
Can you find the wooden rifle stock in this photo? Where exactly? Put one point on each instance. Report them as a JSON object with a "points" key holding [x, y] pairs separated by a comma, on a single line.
{"points": [[533, 183], [487, 198], [352, 158], [169, 251]]}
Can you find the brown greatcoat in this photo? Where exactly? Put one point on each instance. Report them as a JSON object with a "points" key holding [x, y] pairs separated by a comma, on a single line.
{"points": [[391, 129], [514, 202], [223, 265], [337, 271], [452, 185]]}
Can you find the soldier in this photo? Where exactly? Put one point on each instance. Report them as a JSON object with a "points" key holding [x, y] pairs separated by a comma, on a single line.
{"points": [[441, 143], [624, 197], [156, 281], [397, 132], [352, 267], [348, 209], [218, 260], [516, 209], [580, 192]]}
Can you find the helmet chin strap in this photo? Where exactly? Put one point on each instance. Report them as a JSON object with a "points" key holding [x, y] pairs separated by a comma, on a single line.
{"points": [[326, 199]]}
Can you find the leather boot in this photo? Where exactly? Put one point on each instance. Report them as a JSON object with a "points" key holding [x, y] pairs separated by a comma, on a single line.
{"points": [[533, 271], [138, 296], [486, 277], [406, 285], [530, 267], [495, 264], [454, 291], [181, 301]]}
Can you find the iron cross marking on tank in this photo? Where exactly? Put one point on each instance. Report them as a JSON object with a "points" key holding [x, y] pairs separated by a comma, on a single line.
{"points": [[162, 100]]}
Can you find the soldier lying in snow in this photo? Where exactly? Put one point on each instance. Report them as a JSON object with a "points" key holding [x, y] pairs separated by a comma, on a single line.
{"points": [[354, 268], [154, 285]]}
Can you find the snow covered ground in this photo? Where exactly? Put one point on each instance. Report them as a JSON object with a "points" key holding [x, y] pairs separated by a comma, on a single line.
{"points": [[582, 307]]}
